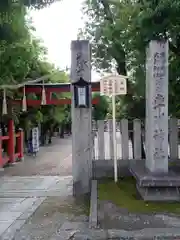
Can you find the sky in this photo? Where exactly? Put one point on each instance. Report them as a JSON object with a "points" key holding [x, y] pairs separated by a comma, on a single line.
{"points": [[57, 25]]}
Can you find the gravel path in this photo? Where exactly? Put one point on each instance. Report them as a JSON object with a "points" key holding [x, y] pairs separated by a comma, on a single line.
{"points": [[53, 215], [112, 217]]}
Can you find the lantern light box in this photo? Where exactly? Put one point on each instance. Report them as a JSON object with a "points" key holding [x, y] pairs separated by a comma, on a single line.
{"points": [[81, 93]]}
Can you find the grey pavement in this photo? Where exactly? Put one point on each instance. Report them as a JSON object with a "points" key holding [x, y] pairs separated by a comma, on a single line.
{"points": [[39, 186], [36, 203], [26, 186], [52, 160]]}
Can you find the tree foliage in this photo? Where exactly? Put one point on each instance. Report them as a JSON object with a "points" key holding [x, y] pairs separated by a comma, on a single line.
{"points": [[100, 110], [120, 31], [23, 58]]}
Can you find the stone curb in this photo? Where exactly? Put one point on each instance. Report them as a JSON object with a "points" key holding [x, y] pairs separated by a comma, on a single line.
{"points": [[93, 215], [144, 234], [99, 234]]}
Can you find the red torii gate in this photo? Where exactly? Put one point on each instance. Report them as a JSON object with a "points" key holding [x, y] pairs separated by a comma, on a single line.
{"points": [[53, 88], [37, 89]]}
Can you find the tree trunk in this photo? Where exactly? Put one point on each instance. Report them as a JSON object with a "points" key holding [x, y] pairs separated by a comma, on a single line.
{"points": [[62, 131], [50, 134], [43, 135]]}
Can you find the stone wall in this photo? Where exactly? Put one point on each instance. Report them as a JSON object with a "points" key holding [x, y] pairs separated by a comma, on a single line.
{"points": [[105, 168]]}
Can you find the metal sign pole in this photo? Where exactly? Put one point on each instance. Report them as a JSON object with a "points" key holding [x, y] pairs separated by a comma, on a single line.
{"points": [[114, 132]]}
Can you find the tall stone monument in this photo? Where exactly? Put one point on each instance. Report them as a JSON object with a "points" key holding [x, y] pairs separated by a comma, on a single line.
{"points": [[155, 180], [81, 120], [157, 107]]}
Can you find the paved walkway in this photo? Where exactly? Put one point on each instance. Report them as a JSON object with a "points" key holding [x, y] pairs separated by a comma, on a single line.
{"points": [[52, 160], [36, 195], [36, 203]]}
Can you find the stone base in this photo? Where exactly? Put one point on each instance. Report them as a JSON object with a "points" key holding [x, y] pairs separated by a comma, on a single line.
{"points": [[162, 194], [158, 186]]}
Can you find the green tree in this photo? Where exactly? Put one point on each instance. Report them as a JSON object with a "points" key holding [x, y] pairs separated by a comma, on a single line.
{"points": [[100, 110], [23, 58], [120, 31]]}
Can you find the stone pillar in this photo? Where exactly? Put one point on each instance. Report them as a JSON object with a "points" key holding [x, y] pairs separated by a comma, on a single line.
{"points": [[81, 120], [157, 107]]}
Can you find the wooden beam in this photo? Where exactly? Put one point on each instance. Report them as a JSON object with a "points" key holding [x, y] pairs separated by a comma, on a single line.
{"points": [[57, 88], [32, 102]]}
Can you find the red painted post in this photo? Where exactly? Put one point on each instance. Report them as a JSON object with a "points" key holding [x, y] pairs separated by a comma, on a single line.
{"points": [[1, 155], [11, 142], [48, 96], [20, 144]]}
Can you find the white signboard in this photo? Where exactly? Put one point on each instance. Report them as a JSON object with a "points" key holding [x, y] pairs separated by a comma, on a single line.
{"points": [[35, 139], [82, 96], [119, 88]]}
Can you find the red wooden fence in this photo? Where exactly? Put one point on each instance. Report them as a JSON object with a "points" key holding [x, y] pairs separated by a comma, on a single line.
{"points": [[10, 138]]}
